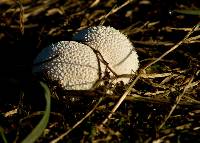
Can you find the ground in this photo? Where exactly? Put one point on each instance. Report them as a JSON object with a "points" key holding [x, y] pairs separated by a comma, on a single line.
{"points": [[161, 103]]}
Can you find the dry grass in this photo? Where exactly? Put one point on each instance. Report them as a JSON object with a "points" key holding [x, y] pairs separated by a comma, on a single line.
{"points": [[161, 103]]}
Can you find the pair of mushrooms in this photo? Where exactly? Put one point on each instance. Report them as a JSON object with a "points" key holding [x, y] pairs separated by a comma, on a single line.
{"points": [[76, 64]]}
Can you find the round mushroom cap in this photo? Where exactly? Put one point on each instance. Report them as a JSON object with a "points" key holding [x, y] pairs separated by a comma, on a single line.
{"points": [[115, 47], [72, 64]]}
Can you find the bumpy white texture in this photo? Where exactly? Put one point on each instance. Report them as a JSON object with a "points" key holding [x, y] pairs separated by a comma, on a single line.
{"points": [[114, 46], [72, 64]]}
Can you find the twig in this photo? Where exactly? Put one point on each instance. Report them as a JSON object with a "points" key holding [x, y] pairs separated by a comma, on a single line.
{"points": [[95, 3], [158, 99], [121, 100], [192, 39], [101, 58], [21, 16], [174, 47], [141, 29], [176, 103], [143, 71], [77, 124], [114, 10], [153, 43], [180, 29]]}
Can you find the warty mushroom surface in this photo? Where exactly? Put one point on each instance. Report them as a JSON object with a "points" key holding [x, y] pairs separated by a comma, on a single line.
{"points": [[73, 65], [114, 46]]}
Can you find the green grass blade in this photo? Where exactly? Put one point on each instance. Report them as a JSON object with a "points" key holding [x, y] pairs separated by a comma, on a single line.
{"points": [[2, 135], [189, 12], [38, 130]]}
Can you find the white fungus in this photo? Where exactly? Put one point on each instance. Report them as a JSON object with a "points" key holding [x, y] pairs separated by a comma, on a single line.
{"points": [[75, 65], [115, 47], [72, 64]]}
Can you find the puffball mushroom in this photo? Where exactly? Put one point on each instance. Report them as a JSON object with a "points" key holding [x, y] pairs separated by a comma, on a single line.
{"points": [[115, 47], [76, 66], [72, 64]]}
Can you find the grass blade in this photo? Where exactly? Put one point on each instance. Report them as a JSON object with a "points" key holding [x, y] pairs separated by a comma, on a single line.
{"points": [[189, 12], [2, 135], [38, 130]]}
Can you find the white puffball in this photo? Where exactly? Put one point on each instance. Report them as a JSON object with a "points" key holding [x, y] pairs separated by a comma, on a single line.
{"points": [[75, 65], [115, 47], [72, 64]]}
